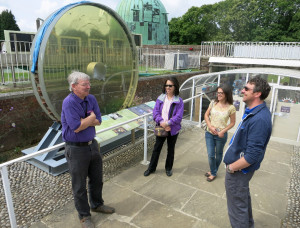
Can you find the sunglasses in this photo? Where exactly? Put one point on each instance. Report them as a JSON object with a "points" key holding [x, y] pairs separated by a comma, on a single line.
{"points": [[247, 88], [169, 86]]}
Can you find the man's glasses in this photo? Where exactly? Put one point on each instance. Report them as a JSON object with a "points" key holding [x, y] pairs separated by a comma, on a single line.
{"points": [[247, 88], [85, 84], [169, 86]]}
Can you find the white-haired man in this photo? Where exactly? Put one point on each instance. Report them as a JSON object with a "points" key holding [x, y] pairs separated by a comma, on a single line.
{"points": [[80, 114]]}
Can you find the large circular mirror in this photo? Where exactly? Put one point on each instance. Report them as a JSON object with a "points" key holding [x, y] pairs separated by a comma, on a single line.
{"points": [[91, 38]]}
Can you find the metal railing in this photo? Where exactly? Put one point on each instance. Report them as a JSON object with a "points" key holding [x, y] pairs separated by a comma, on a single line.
{"points": [[263, 50], [260, 50], [15, 61], [15, 57], [4, 171]]}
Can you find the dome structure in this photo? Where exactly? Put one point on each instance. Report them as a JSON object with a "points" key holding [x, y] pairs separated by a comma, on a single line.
{"points": [[146, 17]]}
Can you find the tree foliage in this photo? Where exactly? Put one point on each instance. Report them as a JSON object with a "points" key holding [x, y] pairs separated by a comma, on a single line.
{"points": [[238, 20], [7, 22]]}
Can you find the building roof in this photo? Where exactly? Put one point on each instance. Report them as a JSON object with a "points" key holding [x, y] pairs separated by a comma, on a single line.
{"points": [[267, 70], [253, 61]]}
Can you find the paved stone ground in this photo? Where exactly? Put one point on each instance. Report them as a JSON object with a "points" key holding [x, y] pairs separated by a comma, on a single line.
{"points": [[42, 200]]}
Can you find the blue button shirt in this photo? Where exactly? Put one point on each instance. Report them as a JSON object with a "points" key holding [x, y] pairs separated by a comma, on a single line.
{"points": [[73, 110]]}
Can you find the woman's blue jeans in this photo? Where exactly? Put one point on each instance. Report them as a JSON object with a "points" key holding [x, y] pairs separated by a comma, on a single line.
{"points": [[215, 146]]}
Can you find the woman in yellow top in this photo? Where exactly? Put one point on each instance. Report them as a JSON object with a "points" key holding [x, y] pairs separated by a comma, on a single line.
{"points": [[216, 116]]}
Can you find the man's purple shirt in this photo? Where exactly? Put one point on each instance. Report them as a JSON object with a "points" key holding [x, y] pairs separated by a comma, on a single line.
{"points": [[73, 110]]}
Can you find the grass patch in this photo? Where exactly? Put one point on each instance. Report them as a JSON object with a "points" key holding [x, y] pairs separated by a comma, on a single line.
{"points": [[274, 79], [18, 76], [164, 72]]}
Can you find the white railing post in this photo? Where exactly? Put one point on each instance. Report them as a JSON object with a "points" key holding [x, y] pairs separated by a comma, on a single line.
{"points": [[178, 67], [8, 197], [200, 110], [192, 103], [145, 162], [200, 54], [147, 60]]}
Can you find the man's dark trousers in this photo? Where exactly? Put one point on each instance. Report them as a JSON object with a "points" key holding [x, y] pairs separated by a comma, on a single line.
{"points": [[239, 199], [83, 162]]}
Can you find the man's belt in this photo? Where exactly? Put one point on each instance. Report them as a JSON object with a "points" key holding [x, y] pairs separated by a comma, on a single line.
{"points": [[79, 143]]}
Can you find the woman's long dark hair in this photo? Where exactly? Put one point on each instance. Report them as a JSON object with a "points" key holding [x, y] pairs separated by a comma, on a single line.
{"points": [[176, 84], [227, 92]]}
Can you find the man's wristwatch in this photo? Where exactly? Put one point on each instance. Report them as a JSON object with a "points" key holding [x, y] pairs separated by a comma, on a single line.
{"points": [[229, 170]]}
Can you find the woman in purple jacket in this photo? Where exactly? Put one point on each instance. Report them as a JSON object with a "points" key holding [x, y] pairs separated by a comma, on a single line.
{"points": [[168, 112]]}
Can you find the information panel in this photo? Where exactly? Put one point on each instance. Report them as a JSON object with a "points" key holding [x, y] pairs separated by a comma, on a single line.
{"points": [[121, 117]]}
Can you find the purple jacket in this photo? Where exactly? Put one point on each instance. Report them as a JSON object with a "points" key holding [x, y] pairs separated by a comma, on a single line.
{"points": [[176, 118]]}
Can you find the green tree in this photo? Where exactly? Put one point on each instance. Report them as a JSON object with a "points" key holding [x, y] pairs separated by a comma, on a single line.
{"points": [[238, 20], [224, 27], [294, 28], [7, 22], [196, 25], [174, 30], [261, 20]]}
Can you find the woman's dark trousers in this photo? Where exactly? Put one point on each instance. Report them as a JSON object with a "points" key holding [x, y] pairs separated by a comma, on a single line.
{"points": [[171, 140]]}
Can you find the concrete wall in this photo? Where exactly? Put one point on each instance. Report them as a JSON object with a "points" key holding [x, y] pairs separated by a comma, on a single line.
{"points": [[149, 88], [23, 122]]}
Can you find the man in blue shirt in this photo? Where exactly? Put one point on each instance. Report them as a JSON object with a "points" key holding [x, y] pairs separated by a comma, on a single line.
{"points": [[80, 114], [246, 151]]}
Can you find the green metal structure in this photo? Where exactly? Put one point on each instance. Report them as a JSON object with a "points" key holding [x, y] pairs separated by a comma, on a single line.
{"points": [[146, 17]]}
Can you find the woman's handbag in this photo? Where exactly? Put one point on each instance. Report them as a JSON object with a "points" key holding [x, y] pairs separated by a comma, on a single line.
{"points": [[160, 131], [204, 125]]}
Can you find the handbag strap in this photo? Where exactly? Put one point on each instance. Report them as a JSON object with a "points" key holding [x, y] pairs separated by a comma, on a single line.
{"points": [[212, 105], [172, 109]]}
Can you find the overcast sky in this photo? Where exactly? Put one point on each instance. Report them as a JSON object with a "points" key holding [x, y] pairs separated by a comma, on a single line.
{"points": [[27, 11]]}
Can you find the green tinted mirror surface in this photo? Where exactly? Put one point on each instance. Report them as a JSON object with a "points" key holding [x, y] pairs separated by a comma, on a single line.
{"points": [[88, 38]]}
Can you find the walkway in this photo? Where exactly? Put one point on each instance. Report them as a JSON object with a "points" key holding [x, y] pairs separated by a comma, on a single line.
{"points": [[186, 200]]}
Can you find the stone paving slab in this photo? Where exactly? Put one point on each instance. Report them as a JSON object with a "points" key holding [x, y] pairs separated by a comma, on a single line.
{"points": [[262, 219], [167, 191], [156, 214], [269, 203], [270, 182], [279, 168], [195, 178], [127, 202], [208, 207]]}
